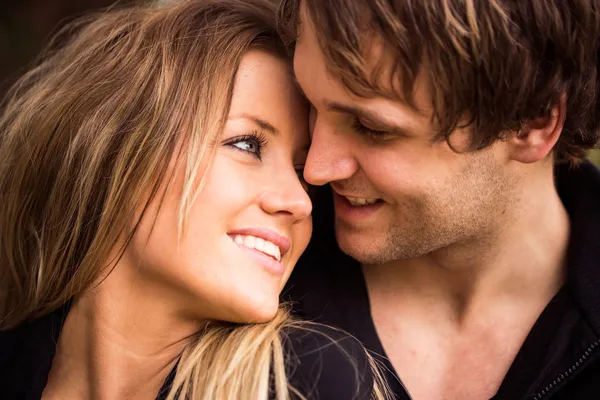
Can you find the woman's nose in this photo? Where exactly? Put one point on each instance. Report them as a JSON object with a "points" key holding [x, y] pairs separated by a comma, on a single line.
{"points": [[287, 196]]}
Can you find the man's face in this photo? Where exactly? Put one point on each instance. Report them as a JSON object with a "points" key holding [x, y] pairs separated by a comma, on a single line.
{"points": [[420, 195]]}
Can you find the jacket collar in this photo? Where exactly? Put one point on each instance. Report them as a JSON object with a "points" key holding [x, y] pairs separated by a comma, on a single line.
{"points": [[579, 189]]}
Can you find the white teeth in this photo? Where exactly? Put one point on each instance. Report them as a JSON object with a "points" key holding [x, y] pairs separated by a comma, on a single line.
{"points": [[249, 241], [277, 253], [260, 244], [269, 248], [360, 201], [273, 250]]}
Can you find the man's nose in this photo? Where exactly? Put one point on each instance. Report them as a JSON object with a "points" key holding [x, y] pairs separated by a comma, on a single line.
{"points": [[330, 156]]}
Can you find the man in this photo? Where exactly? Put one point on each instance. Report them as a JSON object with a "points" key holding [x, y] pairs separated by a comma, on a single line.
{"points": [[452, 134]]}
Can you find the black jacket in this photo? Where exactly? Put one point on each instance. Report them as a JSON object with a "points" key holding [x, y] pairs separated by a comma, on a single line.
{"points": [[560, 359]]}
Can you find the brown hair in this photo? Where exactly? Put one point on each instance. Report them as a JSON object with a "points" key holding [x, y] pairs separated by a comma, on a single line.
{"points": [[496, 64]]}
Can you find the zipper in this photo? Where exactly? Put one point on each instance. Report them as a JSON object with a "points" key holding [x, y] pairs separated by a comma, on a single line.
{"points": [[561, 377]]}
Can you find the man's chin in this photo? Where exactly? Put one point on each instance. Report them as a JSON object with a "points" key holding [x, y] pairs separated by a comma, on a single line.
{"points": [[362, 248], [374, 246]]}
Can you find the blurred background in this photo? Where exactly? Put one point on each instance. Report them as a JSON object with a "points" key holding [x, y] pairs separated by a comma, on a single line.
{"points": [[26, 25]]}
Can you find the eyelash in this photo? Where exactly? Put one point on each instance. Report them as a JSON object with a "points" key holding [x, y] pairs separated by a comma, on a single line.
{"points": [[256, 137], [261, 141], [360, 128]]}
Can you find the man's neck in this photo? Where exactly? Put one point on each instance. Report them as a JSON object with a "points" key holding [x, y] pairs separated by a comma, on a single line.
{"points": [[466, 310], [523, 259]]}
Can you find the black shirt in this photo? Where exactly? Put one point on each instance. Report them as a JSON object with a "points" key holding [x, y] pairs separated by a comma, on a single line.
{"points": [[560, 358], [322, 363]]}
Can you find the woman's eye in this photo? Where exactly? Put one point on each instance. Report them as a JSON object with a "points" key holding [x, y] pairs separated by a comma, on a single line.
{"points": [[252, 144], [249, 145]]}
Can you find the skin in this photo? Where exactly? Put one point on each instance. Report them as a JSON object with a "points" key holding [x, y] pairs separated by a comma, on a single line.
{"points": [[463, 249], [115, 343]]}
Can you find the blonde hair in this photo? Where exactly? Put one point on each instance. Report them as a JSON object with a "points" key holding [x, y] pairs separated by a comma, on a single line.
{"points": [[90, 128]]}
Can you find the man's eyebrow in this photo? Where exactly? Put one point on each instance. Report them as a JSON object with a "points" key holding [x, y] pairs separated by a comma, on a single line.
{"points": [[366, 115], [262, 124]]}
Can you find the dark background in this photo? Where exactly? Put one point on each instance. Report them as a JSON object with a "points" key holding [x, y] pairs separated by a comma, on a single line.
{"points": [[26, 25]]}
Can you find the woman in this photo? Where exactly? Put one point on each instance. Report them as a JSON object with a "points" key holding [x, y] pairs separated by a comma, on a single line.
{"points": [[152, 210]]}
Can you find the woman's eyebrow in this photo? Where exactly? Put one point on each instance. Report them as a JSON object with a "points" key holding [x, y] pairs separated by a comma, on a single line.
{"points": [[267, 126]]}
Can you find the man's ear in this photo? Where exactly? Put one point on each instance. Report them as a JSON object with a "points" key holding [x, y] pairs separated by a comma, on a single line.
{"points": [[538, 137]]}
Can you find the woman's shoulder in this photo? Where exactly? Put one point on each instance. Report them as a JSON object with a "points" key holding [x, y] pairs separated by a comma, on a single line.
{"points": [[327, 363]]}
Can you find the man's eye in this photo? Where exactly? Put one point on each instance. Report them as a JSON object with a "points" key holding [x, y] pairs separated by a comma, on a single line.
{"points": [[360, 128]]}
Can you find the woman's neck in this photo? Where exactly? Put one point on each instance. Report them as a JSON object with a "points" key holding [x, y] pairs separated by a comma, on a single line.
{"points": [[119, 341]]}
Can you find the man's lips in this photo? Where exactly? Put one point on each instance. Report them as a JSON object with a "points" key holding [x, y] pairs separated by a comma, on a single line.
{"points": [[357, 200], [355, 213]]}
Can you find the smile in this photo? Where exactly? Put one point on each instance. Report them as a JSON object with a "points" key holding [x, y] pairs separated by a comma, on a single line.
{"points": [[360, 201], [259, 244]]}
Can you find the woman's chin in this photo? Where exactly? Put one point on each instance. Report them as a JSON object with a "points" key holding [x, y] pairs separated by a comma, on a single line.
{"points": [[256, 311]]}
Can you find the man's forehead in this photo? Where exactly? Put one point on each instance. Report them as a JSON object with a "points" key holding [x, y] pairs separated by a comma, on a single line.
{"points": [[310, 70], [375, 65]]}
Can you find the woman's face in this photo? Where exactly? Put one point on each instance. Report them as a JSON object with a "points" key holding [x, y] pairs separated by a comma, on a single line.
{"points": [[251, 221]]}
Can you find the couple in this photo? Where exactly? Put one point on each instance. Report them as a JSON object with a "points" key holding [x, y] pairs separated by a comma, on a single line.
{"points": [[155, 177]]}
